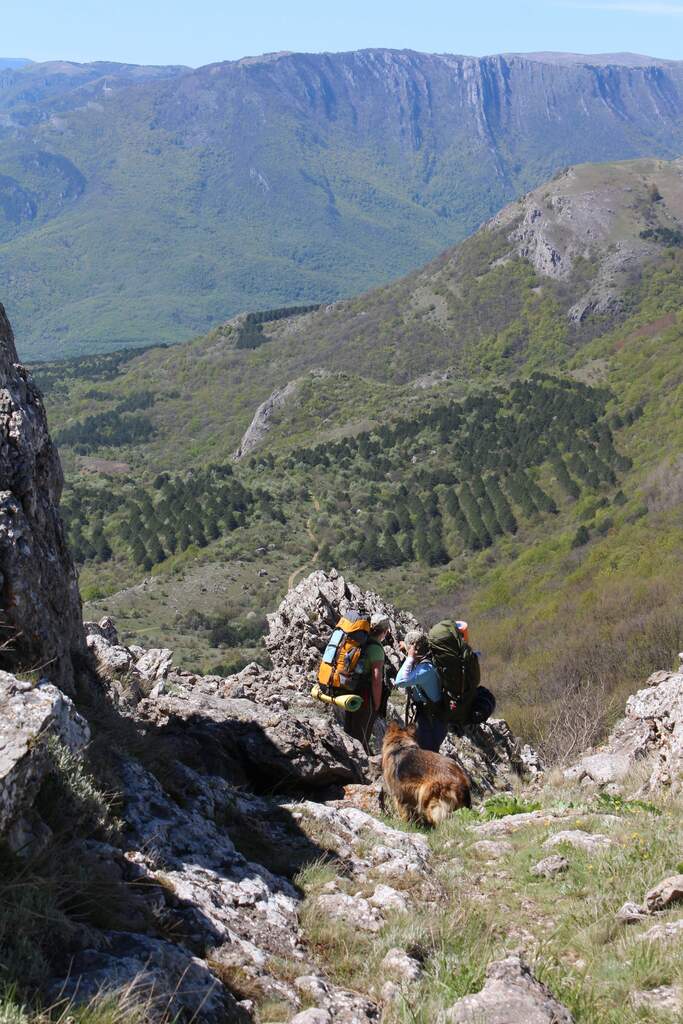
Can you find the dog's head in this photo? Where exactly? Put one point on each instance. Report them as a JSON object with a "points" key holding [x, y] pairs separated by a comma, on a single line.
{"points": [[397, 736]]}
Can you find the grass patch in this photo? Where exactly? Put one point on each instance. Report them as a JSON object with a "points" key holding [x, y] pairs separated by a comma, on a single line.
{"points": [[503, 804]]}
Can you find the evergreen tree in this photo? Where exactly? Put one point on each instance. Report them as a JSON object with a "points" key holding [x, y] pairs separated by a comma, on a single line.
{"points": [[421, 544], [392, 553]]}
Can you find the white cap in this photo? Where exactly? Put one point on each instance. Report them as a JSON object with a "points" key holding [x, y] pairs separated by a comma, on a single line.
{"points": [[378, 622]]}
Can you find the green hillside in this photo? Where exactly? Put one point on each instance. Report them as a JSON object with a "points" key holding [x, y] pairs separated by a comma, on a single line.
{"points": [[535, 487], [146, 204]]}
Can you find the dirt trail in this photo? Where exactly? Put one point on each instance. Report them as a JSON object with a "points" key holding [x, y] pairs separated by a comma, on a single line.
{"points": [[292, 581]]}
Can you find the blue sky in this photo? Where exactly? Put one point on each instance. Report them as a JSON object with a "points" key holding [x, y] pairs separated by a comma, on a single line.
{"points": [[198, 32]]}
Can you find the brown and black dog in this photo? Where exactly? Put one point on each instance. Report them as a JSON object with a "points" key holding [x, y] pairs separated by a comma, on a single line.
{"points": [[426, 787]]}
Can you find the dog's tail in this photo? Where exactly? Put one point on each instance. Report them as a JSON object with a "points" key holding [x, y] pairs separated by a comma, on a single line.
{"points": [[436, 800], [437, 811]]}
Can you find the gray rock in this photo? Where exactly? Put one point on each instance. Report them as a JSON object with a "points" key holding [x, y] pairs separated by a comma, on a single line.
{"points": [[313, 1016], [651, 729], [590, 842], [390, 993], [630, 913], [342, 1006], [261, 422], [28, 715], [352, 910], [386, 898], [663, 932], [275, 735], [163, 975], [511, 995], [664, 999], [665, 894], [41, 622], [550, 866], [489, 754], [105, 628], [112, 659], [394, 853], [155, 664], [492, 849], [513, 822], [400, 967]]}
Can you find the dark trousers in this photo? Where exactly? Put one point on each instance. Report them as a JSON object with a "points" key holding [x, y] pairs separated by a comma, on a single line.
{"points": [[430, 730], [358, 724]]}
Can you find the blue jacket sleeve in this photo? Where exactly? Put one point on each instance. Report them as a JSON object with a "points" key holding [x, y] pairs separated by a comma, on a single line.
{"points": [[422, 675], [407, 669]]}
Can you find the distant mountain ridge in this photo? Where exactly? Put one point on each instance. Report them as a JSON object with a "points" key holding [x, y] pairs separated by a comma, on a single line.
{"points": [[14, 62], [146, 204]]}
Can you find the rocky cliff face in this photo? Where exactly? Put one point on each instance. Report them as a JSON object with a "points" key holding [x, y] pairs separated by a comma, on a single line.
{"points": [[40, 608], [610, 216]]}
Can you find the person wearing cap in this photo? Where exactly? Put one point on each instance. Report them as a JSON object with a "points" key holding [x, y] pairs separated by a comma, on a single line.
{"points": [[369, 685], [419, 676]]}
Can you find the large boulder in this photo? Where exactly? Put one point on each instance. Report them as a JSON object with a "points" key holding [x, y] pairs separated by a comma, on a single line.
{"points": [[40, 607], [491, 756], [652, 731], [163, 976], [511, 993], [300, 628], [29, 715], [263, 732]]}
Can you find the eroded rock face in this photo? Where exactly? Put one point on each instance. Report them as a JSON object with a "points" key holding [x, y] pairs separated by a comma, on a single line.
{"points": [[652, 729], [166, 978], [261, 731], [40, 607], [261, 423]]}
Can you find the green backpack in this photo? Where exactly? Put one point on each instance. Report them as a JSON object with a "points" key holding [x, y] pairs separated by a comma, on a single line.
{"points": [[458, 668]]}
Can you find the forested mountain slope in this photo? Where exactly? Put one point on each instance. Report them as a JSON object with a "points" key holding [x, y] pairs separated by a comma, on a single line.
{"points": [[499, 433], [548, 273], [289, 178]]}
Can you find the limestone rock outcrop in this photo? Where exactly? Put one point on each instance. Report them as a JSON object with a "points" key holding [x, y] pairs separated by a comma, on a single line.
{"points": [[29, 715], [300, 628], [651, 734], [261, 423], [40, 607]]}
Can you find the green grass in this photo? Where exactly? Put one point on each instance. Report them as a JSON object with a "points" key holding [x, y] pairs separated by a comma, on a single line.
{"points": [[503, 804], [566, 924], [117, 1007]]}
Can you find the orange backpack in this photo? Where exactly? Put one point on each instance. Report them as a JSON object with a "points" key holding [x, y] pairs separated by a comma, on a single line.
{"points": [[344, 651]]}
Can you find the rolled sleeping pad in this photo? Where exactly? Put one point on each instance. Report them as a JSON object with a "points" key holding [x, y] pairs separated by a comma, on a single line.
{"points": [[347, 701]]}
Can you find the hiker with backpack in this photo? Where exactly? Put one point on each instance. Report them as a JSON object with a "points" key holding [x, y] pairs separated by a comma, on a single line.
{"points": [[420, 677], [442, 676], [353, 667]]}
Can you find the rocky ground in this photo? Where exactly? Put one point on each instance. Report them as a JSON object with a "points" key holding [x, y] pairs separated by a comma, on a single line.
{"points": [[232, 864]]}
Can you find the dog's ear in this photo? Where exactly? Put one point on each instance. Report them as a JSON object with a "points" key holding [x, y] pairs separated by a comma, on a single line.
{"points": [[411, 731]]}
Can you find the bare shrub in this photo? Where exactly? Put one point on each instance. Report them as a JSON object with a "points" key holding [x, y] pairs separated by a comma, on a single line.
{"points": [[577, 720]]}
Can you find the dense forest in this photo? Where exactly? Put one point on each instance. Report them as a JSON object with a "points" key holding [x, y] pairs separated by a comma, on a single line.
{"points": [[426, 487]]}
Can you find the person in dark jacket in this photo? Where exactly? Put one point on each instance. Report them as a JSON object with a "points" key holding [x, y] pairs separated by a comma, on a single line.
{"points": [[419, 676]]}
